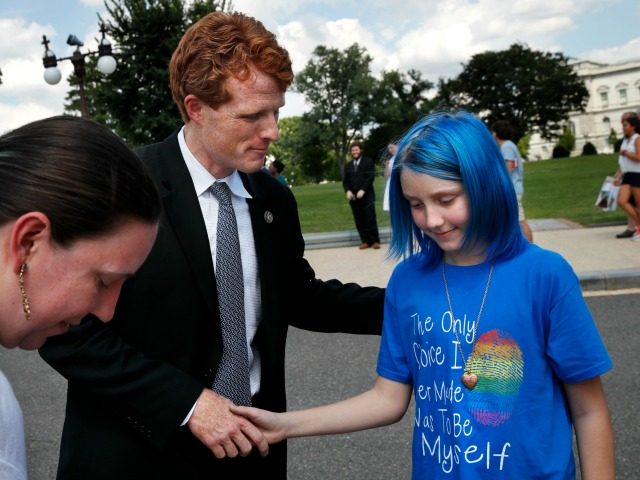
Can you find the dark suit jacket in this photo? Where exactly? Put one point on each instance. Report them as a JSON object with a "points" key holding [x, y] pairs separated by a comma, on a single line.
{"points": [[360, 179], [133, 381]]}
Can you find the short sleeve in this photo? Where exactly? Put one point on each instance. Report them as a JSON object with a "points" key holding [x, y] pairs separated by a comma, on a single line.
{"points": [[392, 357], [575, 348]]}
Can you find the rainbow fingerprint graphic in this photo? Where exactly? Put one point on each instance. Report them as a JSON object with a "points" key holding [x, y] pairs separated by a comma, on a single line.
{"points": [[497, 361]]}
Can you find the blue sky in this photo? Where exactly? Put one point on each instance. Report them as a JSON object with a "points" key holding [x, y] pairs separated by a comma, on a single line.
{"points": [[433, 36]]}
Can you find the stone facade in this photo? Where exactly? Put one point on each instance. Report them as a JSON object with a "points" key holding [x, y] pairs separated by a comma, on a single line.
{"points": [[613, 90]]}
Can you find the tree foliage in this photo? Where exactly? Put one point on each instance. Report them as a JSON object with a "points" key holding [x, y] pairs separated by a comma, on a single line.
{"points": [[398, 100], [302, 147], [135, 101], [567, 139], [338, 85], [533, 90], [347, 101]]}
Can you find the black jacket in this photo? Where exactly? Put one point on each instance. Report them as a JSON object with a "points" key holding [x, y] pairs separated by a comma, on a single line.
{"points": [[133, 381]]}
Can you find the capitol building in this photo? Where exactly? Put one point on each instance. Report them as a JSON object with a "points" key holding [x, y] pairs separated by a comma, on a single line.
{"points": [[613, 89]]}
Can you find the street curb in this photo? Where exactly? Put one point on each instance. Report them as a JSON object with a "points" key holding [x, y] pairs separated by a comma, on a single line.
{"points": [[346, 238], [610, 279], [598, 280]]}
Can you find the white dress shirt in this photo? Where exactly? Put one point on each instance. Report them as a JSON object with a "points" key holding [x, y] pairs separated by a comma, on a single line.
{"points": [[202, 181]]}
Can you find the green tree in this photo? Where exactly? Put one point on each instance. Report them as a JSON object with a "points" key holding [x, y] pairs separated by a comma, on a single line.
{"points": [[567, 140], [135, 101], [398, 100], [338, 84], [533, 90], [523, 145], [302, 147]]}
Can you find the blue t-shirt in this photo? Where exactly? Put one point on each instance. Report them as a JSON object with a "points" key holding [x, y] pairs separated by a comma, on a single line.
{"points": [[535, 334], [510, 153]]}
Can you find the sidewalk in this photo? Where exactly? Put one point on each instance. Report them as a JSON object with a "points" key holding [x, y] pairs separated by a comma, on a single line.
{"points": [[602, 261]]}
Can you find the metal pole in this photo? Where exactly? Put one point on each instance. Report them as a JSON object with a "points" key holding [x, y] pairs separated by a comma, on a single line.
{"points": [[79, 70]]}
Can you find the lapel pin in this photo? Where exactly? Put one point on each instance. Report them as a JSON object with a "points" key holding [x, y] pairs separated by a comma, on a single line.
{"points": [[268, 216]]}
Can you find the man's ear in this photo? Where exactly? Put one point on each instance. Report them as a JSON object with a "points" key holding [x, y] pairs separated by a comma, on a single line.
{"points": [[194, 107], [30, 232]]}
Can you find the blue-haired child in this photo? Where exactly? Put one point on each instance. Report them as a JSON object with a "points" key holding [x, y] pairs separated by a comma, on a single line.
{"points": [[489, 332]]}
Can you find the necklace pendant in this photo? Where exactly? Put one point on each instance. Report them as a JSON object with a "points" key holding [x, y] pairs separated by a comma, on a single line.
{"points": [[469, 380]]}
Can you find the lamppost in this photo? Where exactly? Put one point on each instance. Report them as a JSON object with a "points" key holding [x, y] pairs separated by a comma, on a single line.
{"points": [[106, 63]]}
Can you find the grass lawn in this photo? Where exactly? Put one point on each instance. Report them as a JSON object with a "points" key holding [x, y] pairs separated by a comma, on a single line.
{"points": [[558, 188], [568, 187]]}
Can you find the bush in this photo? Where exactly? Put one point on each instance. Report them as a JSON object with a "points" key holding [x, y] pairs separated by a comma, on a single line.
{"points": [[567, 140], [559, 152], [523, 145], [589, 149]]}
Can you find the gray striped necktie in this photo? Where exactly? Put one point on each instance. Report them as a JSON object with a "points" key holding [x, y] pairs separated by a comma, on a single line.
{"points": [[232, 377]]}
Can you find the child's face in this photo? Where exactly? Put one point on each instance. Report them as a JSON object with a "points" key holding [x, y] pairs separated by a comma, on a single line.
{"points": [[440, 209]]}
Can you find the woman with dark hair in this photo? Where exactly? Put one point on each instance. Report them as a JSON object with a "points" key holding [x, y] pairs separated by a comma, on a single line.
{"points": [[78, 216], [628, 175]]}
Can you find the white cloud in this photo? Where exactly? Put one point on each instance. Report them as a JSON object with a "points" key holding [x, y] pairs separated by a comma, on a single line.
{"points": [[450, 32], [24, 95], [295, 38], [295, 105], [11, 117], [19, 37], [433, 36], [92, 3], [621, 53]]}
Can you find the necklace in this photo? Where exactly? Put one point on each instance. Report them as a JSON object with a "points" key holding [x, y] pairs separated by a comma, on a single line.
{"points": [[469, 378]]}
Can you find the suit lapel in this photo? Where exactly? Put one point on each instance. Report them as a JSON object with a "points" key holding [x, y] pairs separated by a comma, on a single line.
{"points": [[183, 212]]}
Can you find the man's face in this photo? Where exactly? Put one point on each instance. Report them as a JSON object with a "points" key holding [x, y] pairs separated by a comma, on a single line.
{"points": [[237, 134], [356, 152]]}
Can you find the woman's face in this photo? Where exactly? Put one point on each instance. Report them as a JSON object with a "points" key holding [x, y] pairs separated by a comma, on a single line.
{"points": [[627, 128], [64, 284]]}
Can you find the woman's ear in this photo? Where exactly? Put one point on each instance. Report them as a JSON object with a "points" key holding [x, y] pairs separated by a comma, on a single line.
{"points": [[30, 232]]}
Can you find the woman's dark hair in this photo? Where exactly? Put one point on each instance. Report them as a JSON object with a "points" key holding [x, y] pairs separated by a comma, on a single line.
{"points": [[78, 173], [634, 122], [502, 129], [278, 165]]}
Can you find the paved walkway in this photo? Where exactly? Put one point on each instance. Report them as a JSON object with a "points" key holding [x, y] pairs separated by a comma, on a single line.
{"points": [[602, 261]]}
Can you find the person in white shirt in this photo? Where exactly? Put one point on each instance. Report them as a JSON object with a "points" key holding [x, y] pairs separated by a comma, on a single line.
{"points": [[628, 175]]}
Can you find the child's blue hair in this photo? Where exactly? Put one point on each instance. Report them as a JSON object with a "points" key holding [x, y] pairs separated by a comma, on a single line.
{"points": [[459, 147]]}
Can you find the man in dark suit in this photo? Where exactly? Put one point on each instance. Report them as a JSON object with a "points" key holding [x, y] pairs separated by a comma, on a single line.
{"points": [[359, 175], [143, 396]]}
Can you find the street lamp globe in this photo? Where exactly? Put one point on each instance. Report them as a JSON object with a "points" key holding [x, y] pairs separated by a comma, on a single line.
{"points": [[52, 75], [107, 64]]}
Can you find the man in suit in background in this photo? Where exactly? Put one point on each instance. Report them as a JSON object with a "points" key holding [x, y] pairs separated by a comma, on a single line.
{"points": [[146, 393], [359, 175]]}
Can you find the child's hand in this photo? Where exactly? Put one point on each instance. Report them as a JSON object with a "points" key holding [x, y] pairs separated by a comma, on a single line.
{"points": [[271, 423]]}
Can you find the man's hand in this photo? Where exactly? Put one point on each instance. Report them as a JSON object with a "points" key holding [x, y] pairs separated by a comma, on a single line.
{"points": [[360, 194], [224, 433], [350, 195]]}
